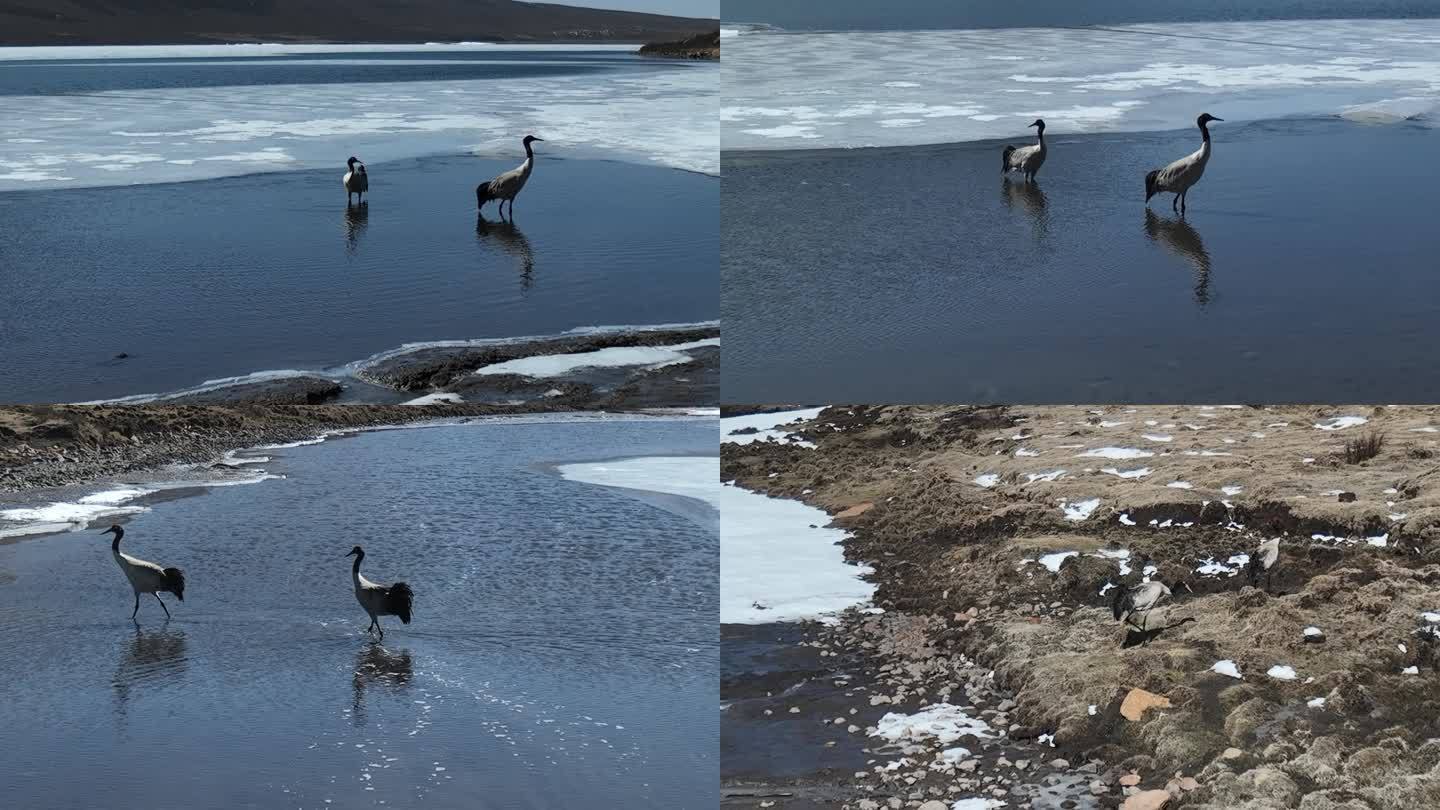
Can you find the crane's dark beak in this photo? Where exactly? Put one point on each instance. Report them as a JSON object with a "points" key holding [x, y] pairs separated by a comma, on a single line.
{"points": [[1213, 118], [110, 530], [539, 139], [351, 553]]}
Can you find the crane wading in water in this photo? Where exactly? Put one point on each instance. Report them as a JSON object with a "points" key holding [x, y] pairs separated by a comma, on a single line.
{"points": [[379, 600], [145, 576], [356, 181], [1027, 159], [507, 186], [1178, 177]]}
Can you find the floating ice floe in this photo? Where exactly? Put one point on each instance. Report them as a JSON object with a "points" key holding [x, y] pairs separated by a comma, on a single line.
{"points": [[1139, 472], [944, 722], [767, 426], [1115, 453], [1079, 510], [695, 477], [1226, 667], [987, 480], [1341, 422], [1281, 672]]}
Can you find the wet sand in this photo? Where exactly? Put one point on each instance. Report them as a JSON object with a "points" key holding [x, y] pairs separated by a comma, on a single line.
{"points": [[1018, 575]]}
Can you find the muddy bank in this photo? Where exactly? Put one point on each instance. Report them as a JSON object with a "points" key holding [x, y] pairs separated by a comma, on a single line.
{"points": [[1009, 532], [56, 445]]}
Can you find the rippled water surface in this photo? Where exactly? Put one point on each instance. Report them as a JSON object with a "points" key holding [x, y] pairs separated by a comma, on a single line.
{"points": [[563, 652]]}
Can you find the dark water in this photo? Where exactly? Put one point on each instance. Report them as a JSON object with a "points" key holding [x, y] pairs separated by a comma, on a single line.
{"points": [[79, 76], [1305, 271], [197, 281], [563, 652], [936, 14]]}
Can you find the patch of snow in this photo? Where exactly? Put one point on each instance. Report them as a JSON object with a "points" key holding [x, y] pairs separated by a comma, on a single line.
{"points": [[1053, 561], [987, 480], [943, 722], [1316, 703], [1281, 672], [1116, 453], [1079, 510], [1180, 485], [767, 425], [1226, 667], [1341, 422], [1139, 472]]}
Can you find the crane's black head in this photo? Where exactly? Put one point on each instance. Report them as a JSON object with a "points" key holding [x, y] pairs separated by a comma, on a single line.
{"points": [[529, 138], [115, 530], [1206, 118], [352, 161], [356, 552], [1039, 124]]}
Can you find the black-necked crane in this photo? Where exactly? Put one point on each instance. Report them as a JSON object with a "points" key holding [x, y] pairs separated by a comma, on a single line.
{"points": [[146, 576], [1178, 177], [356, 180], [379, 600], [1263, 560], [507, 186], [1026, 159], [1140, 600]]}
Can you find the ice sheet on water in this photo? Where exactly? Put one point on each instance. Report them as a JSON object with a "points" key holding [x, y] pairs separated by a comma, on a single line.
{"points": [[189, 133], [691, 476], [830, 89], [778, 562]]}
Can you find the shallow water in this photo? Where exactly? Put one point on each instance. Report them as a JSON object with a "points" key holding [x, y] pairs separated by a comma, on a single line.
{"points": [[563, 651], [273, 271], [919, 275]]}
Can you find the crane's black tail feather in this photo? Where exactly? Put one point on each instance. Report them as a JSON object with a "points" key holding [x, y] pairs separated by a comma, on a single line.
{"points": [[482, 193], [1150, 186], [1117, 605], [399, 599], [1005, 159], [175, 582]]}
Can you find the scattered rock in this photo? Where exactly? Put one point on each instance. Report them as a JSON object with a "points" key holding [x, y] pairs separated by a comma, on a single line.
{"points": [[1147, 800], [1138, 701]]}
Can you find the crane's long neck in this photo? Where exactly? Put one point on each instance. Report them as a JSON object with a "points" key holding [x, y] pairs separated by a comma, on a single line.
{"points": [[1205, 134], [529, 156], [1040, 138], [115, 544], [355, 569]]}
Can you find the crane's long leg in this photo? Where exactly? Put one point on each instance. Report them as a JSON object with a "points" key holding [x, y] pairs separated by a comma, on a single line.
{"points": [[162, 604], [1175, 203], [1182, 200], [137, 605], [381, 628]]}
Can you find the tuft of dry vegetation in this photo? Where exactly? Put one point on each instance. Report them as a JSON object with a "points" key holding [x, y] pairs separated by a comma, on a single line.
{"points": [[1364, 448]]}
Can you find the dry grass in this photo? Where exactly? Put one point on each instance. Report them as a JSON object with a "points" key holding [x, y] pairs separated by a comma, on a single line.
{"points": [[1364, 448]]}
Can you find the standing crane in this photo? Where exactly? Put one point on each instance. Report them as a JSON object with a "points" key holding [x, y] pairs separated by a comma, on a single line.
{"points": [[1140, 600], [145, 576], [356, 181], [1263, 560], [1027, 159], [507, 186], [1178, 177], [379, 600]]}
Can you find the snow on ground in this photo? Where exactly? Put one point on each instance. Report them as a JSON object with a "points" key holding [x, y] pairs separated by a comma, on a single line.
{"points": [[1079, 510], [1053, 561], [774, 567], [1341, 422], [943, 722], [555, 365], [187, 133], [823, 90], [1136, 473], [1115, 453], [435, 399], [1281, 672], [1226, 667], [766, 425]]}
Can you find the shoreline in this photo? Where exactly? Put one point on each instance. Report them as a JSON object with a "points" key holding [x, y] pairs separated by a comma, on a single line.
{"points": [[960, 555], [51, 446]]}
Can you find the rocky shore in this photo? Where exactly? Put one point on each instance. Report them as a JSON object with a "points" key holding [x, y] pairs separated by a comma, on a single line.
{"points": [[700, 46], [999, 538]]}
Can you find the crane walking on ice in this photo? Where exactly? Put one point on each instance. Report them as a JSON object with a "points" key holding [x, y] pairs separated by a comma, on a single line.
{"points": [[145, 576], [507, 186], [1178, 177], [356, 181], [1263, 560], [1027, 159], [379, 600]]}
